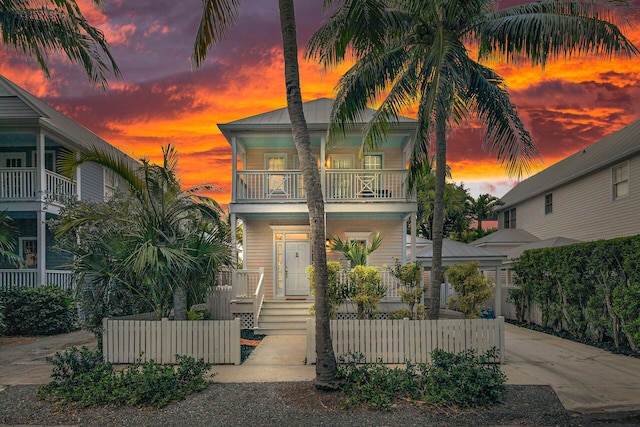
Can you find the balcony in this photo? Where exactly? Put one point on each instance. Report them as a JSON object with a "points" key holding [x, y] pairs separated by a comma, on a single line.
{"points": [[20, 184], [340, 185]]}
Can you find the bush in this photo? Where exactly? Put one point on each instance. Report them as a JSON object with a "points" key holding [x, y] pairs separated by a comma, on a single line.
{"points": [[472, 289], [461, 380], [81, 376], [47, 310]]}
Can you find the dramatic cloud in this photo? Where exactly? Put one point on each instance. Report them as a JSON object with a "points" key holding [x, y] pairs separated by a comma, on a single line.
{"points": [[162, 100]]}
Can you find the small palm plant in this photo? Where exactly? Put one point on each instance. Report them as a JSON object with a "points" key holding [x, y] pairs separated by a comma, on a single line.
{"points": [[354, 250], [7, 241]]}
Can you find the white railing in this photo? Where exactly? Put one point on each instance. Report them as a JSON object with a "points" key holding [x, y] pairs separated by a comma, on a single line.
{"points": [[258, 299], [21, 183], [341, 185], [398, 341], [245, 282], [358, 184], [29, 278], [267, 185], [18, 183], [59, 188], [126, 341]]}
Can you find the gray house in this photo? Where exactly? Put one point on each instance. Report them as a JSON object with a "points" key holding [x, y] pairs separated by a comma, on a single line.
{"points": [[32, 137], [592, 194]]}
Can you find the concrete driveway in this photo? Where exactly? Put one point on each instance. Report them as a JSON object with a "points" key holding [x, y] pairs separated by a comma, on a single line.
{"points": [[585, 378]]}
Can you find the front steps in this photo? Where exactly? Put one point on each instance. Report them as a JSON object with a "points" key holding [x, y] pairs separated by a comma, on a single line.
{"points": [[282, 317]]}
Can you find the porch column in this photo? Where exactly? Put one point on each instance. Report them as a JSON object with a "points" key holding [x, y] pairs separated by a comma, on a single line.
{"points": [[234, 249], [413, 236], [497, 310], [41, 176], [42, 247], [234, 168]]}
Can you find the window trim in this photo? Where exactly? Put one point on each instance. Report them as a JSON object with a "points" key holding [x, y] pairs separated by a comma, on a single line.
{"points": [[614, 184], [548, 203]]}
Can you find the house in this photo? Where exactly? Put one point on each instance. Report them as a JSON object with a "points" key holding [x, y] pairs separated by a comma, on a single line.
{"points": [[592, 194], [32, 137], [364, 194]]}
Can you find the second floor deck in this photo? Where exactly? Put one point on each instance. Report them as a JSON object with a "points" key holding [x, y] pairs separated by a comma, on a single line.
{"points": [[339, 185], [23, 184]]}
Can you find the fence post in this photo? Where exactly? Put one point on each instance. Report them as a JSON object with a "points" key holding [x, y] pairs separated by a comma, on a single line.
{"points": [[502, 348], [311, 341]]}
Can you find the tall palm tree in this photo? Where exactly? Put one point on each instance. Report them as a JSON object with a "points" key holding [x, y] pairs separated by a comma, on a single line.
{"points": [[484, 207], [38, 28], [8, 241], [218, 15], [410, 52], [170, 240]]}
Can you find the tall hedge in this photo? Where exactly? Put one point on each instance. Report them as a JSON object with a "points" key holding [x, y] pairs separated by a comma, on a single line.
{"points": [[591, 290], [47, 310]]}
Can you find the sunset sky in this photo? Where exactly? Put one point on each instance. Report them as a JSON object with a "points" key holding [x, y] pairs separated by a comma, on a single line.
{"points": [[160, 99]]}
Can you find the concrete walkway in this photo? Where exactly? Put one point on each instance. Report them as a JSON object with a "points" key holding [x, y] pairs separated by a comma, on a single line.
{"points": [[586, 379]]}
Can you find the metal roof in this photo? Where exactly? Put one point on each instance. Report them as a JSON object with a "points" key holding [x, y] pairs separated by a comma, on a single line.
{"points": [[607, 152], [547, 243], [16, 103], [454, 252], [506, 236]]}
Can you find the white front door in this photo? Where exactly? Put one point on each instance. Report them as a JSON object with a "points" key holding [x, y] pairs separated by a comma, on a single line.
{"points": [[297, 259]]}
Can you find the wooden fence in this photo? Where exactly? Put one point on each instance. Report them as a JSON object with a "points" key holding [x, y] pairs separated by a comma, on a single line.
{"points": [[126, 341], [398, 341], [219, 302]]}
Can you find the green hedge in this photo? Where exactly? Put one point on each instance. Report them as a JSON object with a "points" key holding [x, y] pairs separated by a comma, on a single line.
{"points": [[591, 290], [47, 310]]}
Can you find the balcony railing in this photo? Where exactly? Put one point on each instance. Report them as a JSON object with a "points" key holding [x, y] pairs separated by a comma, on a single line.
{"points": [[29, 278], [340, 185], [21, 184]]}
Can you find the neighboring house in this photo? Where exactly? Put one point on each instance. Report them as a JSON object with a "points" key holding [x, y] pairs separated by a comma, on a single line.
{"points": [[592, 194], [32, 137], [364, 194]]}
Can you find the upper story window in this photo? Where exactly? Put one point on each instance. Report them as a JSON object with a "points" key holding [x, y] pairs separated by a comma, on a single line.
{"points": [[620, 178], [510, 218], [110, 183], [548, 203], [13, 160], [372, 161]]}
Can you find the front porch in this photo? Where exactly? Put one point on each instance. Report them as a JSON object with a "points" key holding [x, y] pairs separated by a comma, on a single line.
{"points": [[30, 278], [24, 184]]}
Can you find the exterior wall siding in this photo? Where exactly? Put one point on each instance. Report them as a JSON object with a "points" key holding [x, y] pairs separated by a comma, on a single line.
{"points": [[392, 242], [585, 210], [91, 182]]}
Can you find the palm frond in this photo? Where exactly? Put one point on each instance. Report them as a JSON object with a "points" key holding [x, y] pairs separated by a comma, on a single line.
{"points": [[217, 17]]}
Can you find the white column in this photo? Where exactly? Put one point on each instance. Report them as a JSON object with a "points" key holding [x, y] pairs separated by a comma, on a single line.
{"points": [[40, 170], [42, 247], [234, 168], [323, 165], [234, 250], [413, 236]]}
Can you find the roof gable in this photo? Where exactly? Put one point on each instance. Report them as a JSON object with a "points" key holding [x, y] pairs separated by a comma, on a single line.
{"points": [[608, 151]]}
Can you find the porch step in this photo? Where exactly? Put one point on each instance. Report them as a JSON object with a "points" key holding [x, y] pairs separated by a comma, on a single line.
{"points": [[283, 317]]}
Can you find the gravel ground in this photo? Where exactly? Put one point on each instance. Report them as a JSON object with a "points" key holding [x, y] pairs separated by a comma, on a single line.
{"points": [[291, 404]]}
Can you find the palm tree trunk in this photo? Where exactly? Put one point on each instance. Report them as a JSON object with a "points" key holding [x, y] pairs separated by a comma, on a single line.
{"points": [[179, 303], [326, 362], [438, 219]]}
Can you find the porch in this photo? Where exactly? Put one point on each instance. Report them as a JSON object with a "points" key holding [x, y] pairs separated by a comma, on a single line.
{"points": [[23, 184], [338, 185]]}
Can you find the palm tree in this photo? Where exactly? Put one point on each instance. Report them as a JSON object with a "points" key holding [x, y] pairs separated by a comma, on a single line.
{"points": [[164, 241], [7, 241], [356, 251], [218, 15], [410, 52], [38, 28], [484, 207]]}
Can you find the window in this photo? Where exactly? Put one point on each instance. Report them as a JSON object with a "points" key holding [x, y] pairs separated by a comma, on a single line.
{"points": [[13, 160], [110, 183], [510, 218], [620, 175], [548, 203], [29, 251], [276, 183], [370, 183]]}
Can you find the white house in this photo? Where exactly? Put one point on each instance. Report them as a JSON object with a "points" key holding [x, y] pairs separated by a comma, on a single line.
{"points": [[592, 194], [364, 194], [32, 137]]}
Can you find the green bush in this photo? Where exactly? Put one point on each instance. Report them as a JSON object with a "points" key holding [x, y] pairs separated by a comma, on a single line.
{"points": [[472, 289], [464, 379], [81, 376], [47, 310], [399, 314]]}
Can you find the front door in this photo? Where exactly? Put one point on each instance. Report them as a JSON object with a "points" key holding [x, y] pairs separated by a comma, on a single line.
{"points": [[297, 259]]}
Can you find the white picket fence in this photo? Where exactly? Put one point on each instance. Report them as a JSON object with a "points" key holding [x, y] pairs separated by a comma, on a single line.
{"points": [[398, 341], [126, 341]]}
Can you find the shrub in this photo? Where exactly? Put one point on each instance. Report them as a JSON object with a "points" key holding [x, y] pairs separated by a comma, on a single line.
{"points": [[81, 376], [47, 310], [366, 290], [399, 314], [461, 380], [338, 292], [410, 275], [472, 288]]}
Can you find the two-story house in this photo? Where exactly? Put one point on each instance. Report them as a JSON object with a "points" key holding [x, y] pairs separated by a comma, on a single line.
{"points": [[592, 194], [364, 194], [32, 137]]}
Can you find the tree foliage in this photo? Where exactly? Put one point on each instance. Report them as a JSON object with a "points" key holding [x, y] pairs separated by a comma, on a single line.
{"points": [[472, 287]]}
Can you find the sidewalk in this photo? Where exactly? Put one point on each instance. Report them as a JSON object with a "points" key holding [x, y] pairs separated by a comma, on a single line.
{"points": [[586, 379]]}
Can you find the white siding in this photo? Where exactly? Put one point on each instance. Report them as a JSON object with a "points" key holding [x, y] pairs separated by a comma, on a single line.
{"points": [[584, 209], [392, 242]]}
